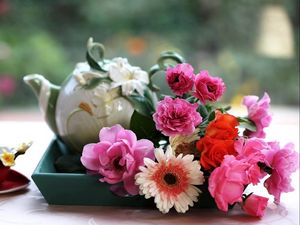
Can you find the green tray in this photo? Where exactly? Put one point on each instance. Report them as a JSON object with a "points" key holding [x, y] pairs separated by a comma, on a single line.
{"points": [[83, 189]]}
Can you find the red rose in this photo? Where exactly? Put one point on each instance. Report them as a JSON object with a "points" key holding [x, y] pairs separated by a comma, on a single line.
{"points": [[223, 127], [218, 140], [213, 151]]}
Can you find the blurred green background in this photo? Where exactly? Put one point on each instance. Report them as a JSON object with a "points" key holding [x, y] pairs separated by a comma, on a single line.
{"points": [[253, 45]]}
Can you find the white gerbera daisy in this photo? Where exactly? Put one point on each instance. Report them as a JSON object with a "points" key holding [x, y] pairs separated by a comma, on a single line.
{"points": [[171, 180]]}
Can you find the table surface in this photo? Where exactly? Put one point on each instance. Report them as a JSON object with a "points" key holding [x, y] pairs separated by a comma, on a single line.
{"points": [[29, 207]]}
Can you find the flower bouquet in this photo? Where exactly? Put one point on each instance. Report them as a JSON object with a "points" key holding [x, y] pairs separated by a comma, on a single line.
{"points": [[179, 150], [190, 144]]}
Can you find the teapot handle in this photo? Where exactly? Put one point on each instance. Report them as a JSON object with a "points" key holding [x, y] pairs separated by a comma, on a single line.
{"points": [[165, 60], [95, 55]]}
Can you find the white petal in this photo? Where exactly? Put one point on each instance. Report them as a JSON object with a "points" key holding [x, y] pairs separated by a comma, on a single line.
{"points": [[184, 201], [141, 75], [137, 86], [193, 191], [169, 152], [120, 61], [178, 206], [143, 169], [159, 155], [193, 194], [119, 74], [127, 88], [165, 205], [149, 162], [188, 158], [180, 156]]}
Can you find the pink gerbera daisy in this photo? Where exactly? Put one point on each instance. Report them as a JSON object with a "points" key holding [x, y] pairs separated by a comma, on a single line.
{"points": [[171, 180]]}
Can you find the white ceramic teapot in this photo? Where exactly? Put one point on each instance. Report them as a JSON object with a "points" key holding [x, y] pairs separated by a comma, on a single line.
{"points": [[98, 93]]}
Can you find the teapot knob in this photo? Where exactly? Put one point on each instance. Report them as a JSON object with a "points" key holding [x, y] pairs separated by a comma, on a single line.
{"points": [[95, 55]]}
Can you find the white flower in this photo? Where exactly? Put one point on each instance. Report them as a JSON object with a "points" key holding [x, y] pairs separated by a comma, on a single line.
{"points": [[83, 73], [171, 180], [22, 148], [130, 78]]}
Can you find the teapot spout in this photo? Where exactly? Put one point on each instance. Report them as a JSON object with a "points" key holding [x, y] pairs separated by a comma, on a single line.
{"points": [[47, 95]]}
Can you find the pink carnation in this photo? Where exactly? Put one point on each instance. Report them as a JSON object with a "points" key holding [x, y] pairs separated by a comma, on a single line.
{"points": [[250, 151], [226, 183], [176, 116], [255, 205], [117, 156], [258, 112], [180, 78], [283, 162], [208, 88]]}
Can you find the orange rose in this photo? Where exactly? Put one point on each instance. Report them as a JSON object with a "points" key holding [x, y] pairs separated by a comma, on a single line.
{"points": [[223, 127], [218, 140], [213, 151]]}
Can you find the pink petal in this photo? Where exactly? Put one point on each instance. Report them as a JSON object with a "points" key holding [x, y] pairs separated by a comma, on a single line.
{"points": [[101, 148], [127, 135], [144, 145], [89, 158], [250, 100], [117, 149], [110, 133]]}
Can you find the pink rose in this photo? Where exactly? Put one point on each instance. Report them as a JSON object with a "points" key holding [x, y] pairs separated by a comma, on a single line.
{"points": [[283, 162], [117, 156], [208, 88], [180, 78], [226, 183], [255, 205], [176, 116], [258, 112]]}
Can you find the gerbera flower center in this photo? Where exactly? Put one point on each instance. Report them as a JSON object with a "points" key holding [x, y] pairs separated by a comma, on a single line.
{"points": [[170, 178]]}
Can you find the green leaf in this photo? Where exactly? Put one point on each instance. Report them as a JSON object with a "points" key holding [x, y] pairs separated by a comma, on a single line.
{"points": [[144, 127], [209, 108], [139, 104], [211, 116], [203, 111], [142, 104], [247, 124], [149, 95], [224, 109]]}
